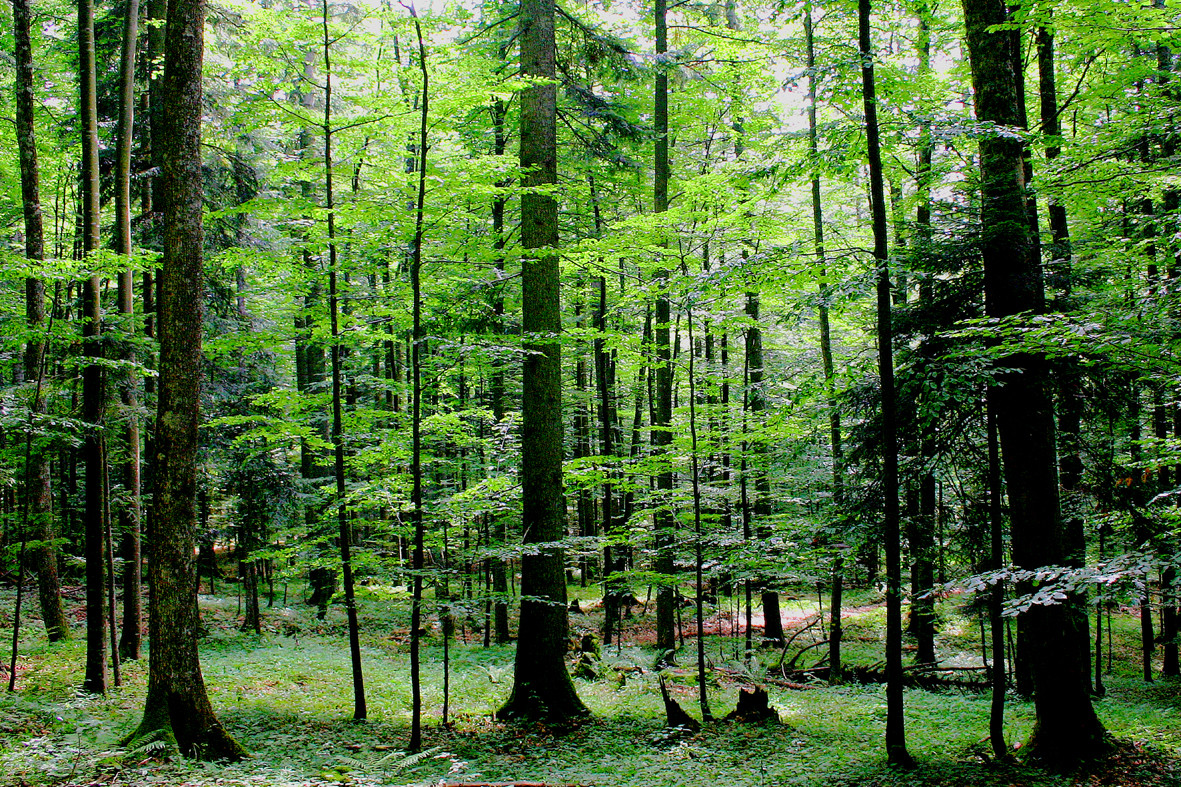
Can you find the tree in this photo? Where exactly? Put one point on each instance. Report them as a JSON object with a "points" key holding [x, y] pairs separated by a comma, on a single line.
{"points": [[896, 752], [662, 410], [93, 378], [129, 641], [177, 706], [38, 488], [1067, 730], [541, 685]]}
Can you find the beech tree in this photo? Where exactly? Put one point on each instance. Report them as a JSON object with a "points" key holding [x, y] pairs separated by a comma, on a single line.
{"points": [[1067, 729], [177, 706]]}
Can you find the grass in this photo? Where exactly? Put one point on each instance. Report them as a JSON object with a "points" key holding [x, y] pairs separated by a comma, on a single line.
{"points": [[287, 697]]}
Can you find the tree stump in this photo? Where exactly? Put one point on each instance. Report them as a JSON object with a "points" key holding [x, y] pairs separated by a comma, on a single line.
{"points": [[754, 707], [677, 717]]}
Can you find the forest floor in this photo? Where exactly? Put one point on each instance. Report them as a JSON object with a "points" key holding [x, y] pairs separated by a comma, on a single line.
{"points": [[287, 696]]}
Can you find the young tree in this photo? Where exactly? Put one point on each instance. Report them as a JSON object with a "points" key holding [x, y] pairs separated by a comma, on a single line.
{"points": [[662, 373], [129, 638], [896, 752], [93, 382]]}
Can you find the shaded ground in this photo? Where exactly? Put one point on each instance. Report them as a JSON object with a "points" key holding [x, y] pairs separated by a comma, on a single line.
{"points": [[287, 697]]}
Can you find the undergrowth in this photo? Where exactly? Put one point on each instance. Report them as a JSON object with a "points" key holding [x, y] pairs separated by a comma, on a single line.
{"points": [[286, 696]]}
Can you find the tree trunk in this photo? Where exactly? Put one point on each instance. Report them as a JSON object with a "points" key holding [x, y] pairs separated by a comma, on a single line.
{"points": [[344, 524], [500, 530], [93, 379], [416, 402], [1067, 729], [129, 512], [39, 492], [541, 686], [996, 599], [835, 628], [661, 440], [896, 753], [772, 619], [177, 704]]}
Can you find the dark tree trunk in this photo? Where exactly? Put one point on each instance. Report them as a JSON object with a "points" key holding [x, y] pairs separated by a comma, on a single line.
{"points": [[344, 524], [541, 686], [93, 382], [500, 530], [996, 600], [896, 752], [661, 439], [1070, 396], [129, 512], [772, 619], [177, 703], [416, 403], [613, 554], [39, 492], [1067, 729], [835, 627]]}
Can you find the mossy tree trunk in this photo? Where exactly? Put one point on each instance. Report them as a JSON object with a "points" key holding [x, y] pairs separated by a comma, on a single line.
{"points": [[541, 685], [177, 704], [38, 491]]}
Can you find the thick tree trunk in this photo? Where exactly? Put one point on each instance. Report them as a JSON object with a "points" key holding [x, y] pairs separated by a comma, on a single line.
{"points": [[896, 752], [1067, 729], [39, 491], [177, 704], [541, 686]]}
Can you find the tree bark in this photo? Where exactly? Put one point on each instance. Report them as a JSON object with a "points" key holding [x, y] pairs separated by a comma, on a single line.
{"points": [[93, 379], [129, 513], [177, 706], [896, 752], [835, 627], [39, 491], [661, 439], [345, 530], [1067, 730], [416, 403], [541, 686]]}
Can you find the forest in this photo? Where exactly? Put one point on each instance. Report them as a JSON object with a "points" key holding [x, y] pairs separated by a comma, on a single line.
{"points": [[541, 392]]}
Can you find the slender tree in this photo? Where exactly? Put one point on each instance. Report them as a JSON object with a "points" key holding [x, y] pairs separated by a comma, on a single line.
{"points": [[345, 534], [93, 379], [835, 627], [416, 401], [662, 412], [129, 512], [896, 752], [38, 488]]}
